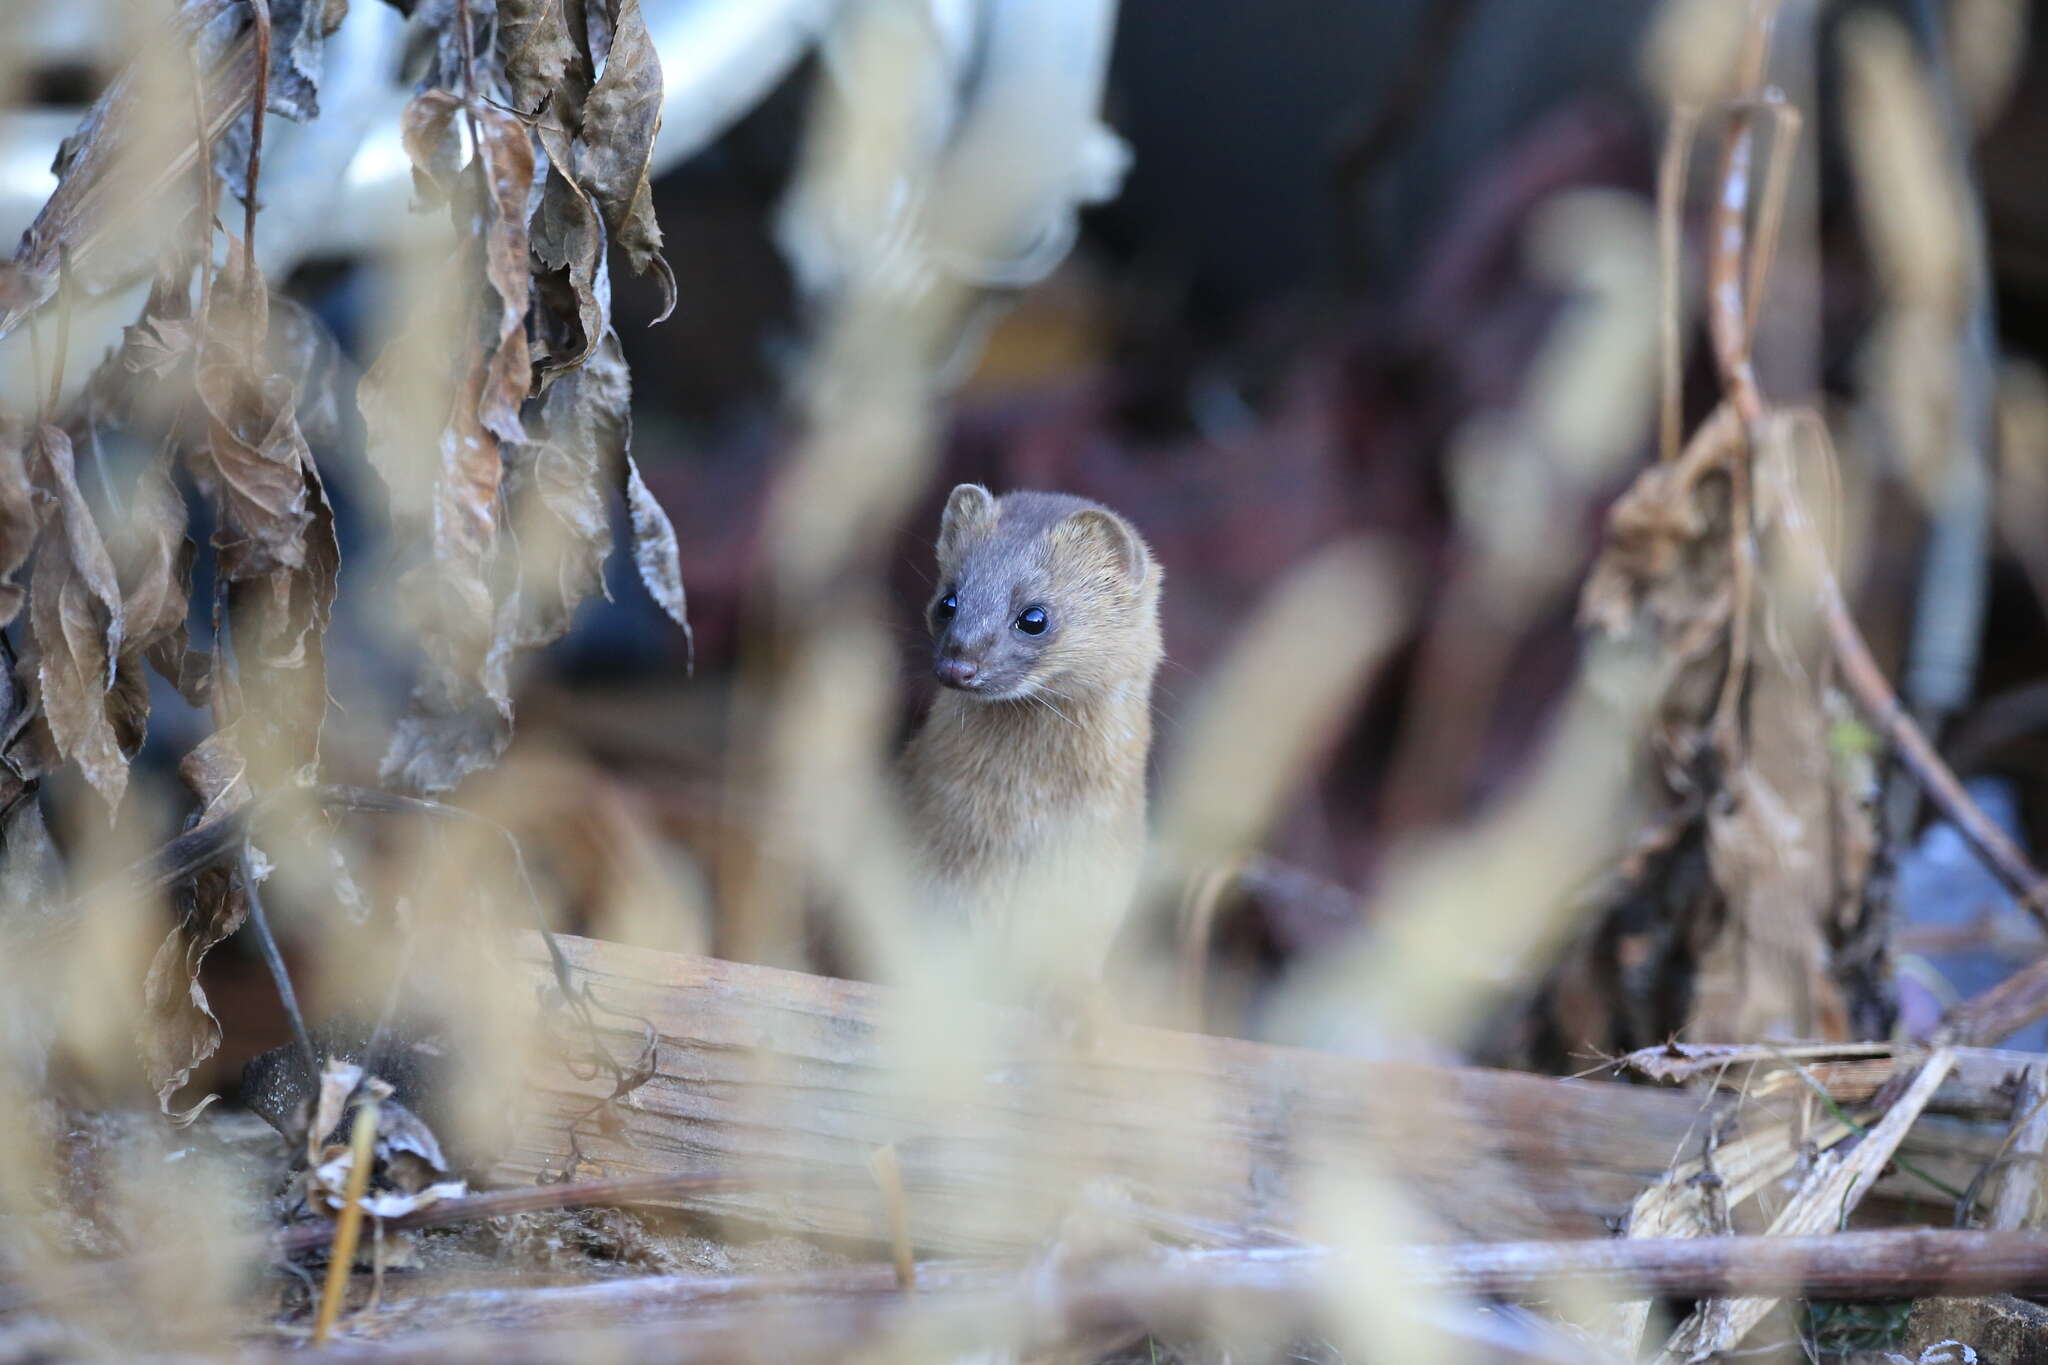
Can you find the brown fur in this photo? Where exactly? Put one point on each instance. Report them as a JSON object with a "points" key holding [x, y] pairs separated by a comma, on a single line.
{"points": [[1027, 795]]}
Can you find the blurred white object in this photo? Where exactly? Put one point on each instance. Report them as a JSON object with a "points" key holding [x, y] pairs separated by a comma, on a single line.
{"points": [[719, 59], [977, 141]]}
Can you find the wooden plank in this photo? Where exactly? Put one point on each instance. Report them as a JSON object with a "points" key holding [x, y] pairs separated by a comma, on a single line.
{"points": [[1206, 1141]]}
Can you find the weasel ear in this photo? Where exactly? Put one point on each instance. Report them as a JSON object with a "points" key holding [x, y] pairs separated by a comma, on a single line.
{"points": [[1113, 536], [970, 510]]}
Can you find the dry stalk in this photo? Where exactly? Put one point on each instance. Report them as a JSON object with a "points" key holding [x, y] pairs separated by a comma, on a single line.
{"points": [[1824, 1202], [349, 1225], [889, 1175], [2019, 1191], [1730, 317], [1675, 1207], [833, 1315]]}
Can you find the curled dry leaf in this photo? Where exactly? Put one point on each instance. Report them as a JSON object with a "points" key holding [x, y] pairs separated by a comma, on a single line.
{"points": [[507, 154], [562, 501], [177, 1030], [450, 730], [409, 1170], [433, 142], [305, 352], [620, 120], [280, 624], [167, 334], [298, 29], [76, 621], [537, 51], [654, 549], [491, 387], [1661, 570], [30, 875], [339, 1081], [574, 293], [154, 556], [256, 461]]}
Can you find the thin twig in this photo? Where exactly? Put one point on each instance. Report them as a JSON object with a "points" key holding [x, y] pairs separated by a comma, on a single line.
{"points": [[1984, 1020], [833, 1314], [889, 1175], [260, 9], [266, 944], [1770, 217], [63, 329], [349, 1225], [1671, 177], [1728, 325]]}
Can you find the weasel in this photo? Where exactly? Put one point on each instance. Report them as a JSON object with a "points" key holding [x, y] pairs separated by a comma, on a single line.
{"points": [[1026, 783]]}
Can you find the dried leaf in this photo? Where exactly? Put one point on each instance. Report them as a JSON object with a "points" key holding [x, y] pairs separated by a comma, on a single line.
{"points": [[654, 550], [30, 872], [53, 467], [154, 557], [569, 237], [432, 141], [75, 617], [178, 1030], [566, 477], [167, 335], [280, 628], [620, 120], [217, 774], [256, 460], [339, 1081], [298, 29], [508, 170], [298, 33], [450, 730], [305, 352], [539, 53], [1662, 569]]}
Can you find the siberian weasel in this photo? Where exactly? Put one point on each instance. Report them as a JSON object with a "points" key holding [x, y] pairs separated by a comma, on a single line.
{"points": [[1026, 784]]}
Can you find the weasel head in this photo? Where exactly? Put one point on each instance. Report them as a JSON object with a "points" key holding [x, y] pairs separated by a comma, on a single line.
{"points": [[1041, 592]]}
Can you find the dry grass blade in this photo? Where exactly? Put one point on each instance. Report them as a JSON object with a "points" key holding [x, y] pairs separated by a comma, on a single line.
{"points": [[349, 1222]]}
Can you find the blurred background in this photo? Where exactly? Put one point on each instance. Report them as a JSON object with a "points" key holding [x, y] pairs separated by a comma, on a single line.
{"points": [[1352, 248], [522, 502]]}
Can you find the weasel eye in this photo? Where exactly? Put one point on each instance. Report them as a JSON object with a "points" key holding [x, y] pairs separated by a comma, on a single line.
{"points": [[946, 607], [1032, 622]]}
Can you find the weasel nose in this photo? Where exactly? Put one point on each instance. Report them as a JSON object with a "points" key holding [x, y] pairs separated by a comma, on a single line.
{"points": [[957, 672]]}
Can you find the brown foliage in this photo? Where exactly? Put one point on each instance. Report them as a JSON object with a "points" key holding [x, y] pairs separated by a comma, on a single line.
{"points": [[533, 132]]}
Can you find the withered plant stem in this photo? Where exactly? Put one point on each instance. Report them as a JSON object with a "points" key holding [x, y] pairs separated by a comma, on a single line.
{"points": [[1671, 176], [63, 329], [349, 1225], [1728, 316], [273, 960], [260, 11], [832, 1314]]}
